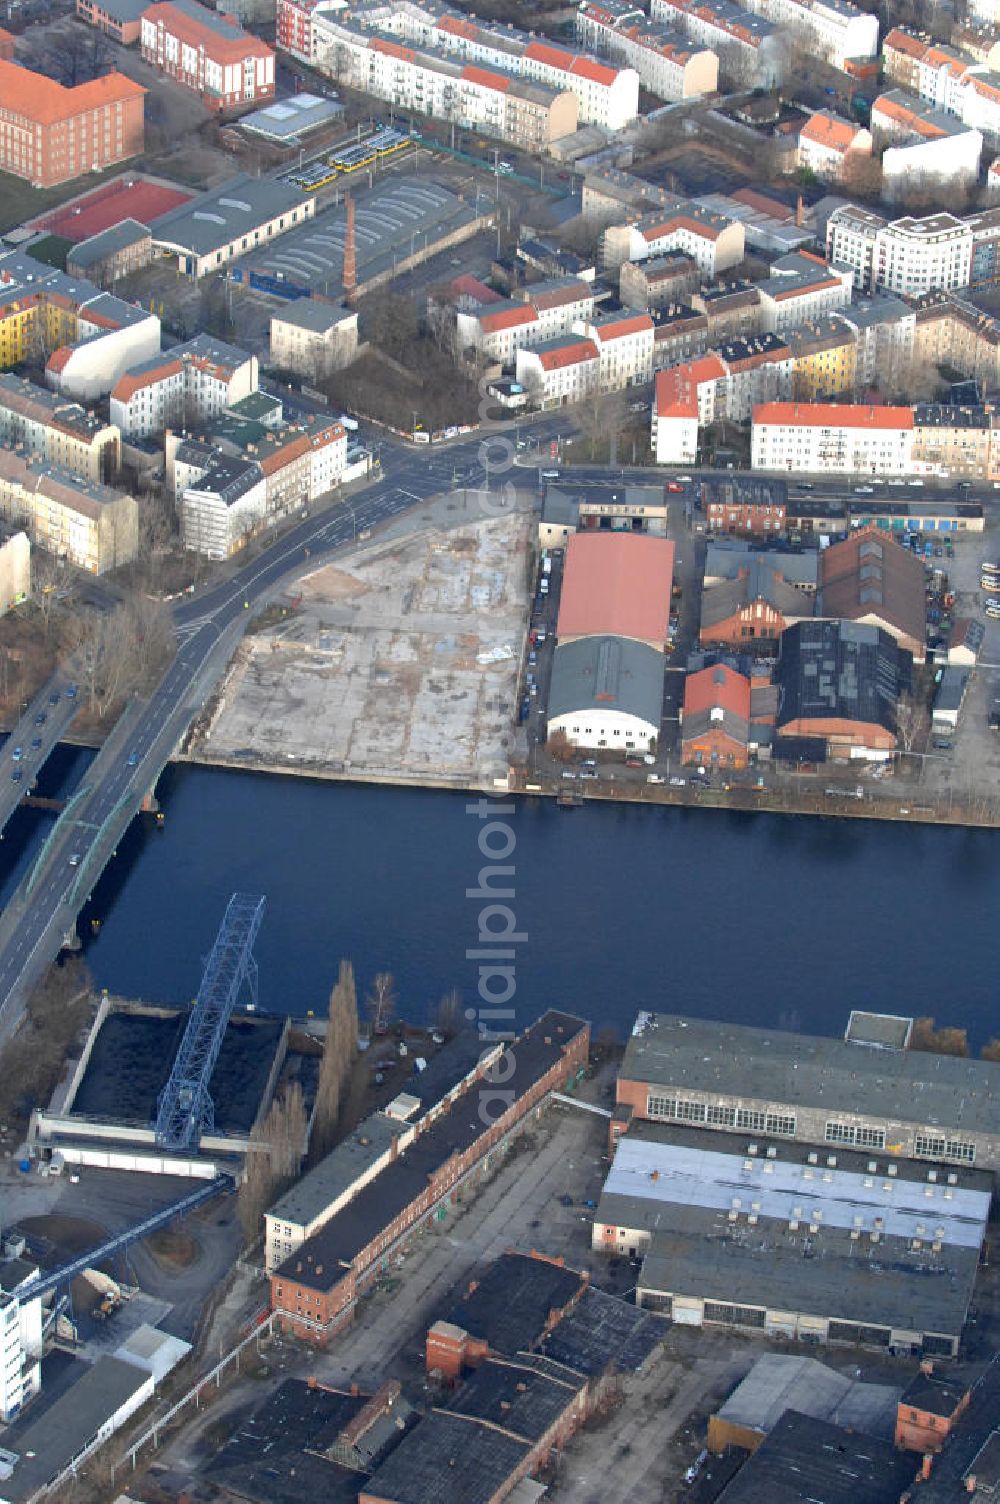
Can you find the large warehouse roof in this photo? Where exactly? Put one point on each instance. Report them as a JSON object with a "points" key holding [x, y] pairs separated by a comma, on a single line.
{"points": [[616, 585], [784, 1381], [215, 219], [609, 674], [814, 1071], [395, 220]]}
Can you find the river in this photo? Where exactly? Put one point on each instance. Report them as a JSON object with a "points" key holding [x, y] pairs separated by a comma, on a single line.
{"points": [[758, 918]]}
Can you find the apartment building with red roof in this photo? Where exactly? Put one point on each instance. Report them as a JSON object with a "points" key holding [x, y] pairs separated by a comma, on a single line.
{"points": [[560, 370], [50, 134], [756, 40], [208, 53], [683, 401], [831, 146], [713, 242], [922, 141], [191, 383], [826, 438], [667, 63]]}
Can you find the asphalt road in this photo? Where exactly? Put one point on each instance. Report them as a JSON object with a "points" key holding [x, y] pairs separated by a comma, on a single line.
{"points": [[43, 912], [21, 760]]}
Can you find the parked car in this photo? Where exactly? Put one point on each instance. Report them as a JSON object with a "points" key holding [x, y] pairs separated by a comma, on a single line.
{"points": [[677, 783], [657, 778]]}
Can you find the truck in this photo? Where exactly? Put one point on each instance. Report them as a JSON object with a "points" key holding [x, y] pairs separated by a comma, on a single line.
{"points": [[546, 566]]}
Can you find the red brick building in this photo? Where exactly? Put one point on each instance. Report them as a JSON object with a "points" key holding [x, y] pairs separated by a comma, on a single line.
{"points": [[6, 46], [208, 53], [315, 1291], [50, 134], [928, 1408], [757, 606], [715, 726]]}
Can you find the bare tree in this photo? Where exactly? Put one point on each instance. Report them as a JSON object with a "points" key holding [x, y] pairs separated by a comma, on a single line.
{"points": [[932, 1041], [449, 1013], [909, 715], [381, 1002], [120, 651], [273, 1160], [339, 1050]]}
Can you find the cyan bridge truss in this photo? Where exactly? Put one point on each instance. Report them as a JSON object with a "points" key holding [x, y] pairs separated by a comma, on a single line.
{"points": [[185, 1110]]}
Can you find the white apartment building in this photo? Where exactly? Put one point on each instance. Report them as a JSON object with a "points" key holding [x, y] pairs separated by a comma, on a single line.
{"points": [[835, 30], [884, 328], [802, 288], [300, 463], [496, 332], [111, 336], [191, 383], [823, 439], [560, 371], [713, 242], [15, 570], [756, 40], [945, 78], [624, 342], [558, 303], [925, 144], [667, 63], [223, 510], [985, 12], [684, 400], [605, 95], [907, 256], [830, 145], [20, 1338]]}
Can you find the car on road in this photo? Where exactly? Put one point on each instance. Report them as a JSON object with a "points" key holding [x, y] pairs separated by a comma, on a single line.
{"points": [[132, 759], [505, 168], [567, 773], [74, 860], [989, 569], [36, 742], [649, 759], [914, 482], [71, 692], [54, 698], [864, 490], [656, 778], [965, 485], [17, 754], [677, 783], [993, 611], [673, 485], [550, 475], [588, 772], [633, 762], [16, 776], [41, 718]]}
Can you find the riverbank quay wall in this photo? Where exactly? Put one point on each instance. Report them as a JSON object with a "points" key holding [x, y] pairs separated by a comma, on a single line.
{"points": [[940, 1109], [314, 1293]]}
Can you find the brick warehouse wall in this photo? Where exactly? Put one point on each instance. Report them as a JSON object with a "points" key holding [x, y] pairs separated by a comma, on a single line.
{"points": [[318, 1314]]}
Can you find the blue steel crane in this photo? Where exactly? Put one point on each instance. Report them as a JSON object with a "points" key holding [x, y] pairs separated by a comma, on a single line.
{"points": [[185, 1110]]}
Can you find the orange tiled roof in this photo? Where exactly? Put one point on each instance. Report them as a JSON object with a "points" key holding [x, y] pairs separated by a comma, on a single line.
{"points": [[629, 324], [830, 415], [567, 355], [717, 686], [59, 359], [392, 49], [507, 318], [901, 41], [42, 101], [679, 222], [891, 110], [828, 130], [677, 387], [126, 386], [488, 80]]}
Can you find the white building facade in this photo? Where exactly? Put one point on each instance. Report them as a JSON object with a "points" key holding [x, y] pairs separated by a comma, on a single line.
{"points": [[907, 256], [821, 438], [20, 1338]]}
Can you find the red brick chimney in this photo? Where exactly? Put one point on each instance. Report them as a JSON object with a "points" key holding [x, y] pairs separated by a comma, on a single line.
{"points": [[350, 252]]}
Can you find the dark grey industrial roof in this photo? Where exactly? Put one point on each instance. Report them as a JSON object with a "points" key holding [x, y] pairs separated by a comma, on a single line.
{"points": [[937, 1393], [951, 690], [725, 557], [840, 670], [229, 479], [514, 1300], [760, 578], [771, 1065], [351, 1158], [515, 1397], [447, 1457], [321, 1260], [115, 238], [973, 1448], [51, 1443], [446, 1069], [805, 1459], [215, 219], [397, 218], [782, 1381], [602, 1330], [744, 490], [276, 1454], [607, 673], [125, 10]]}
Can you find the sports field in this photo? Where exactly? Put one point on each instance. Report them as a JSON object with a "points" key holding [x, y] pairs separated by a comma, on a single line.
{"points": [[123, 198]]}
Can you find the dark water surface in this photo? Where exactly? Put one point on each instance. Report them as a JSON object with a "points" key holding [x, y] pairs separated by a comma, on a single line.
{"points": [[754, 918]]}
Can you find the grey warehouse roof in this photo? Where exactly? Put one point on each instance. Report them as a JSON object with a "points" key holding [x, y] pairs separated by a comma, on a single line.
{"points": [[115, 238], [778, 1382], [286, 119], [392, 221], [607, 673], [315, 314], [942, 1091], [48, 1445], [805, 1458], [310, 1196], [216, 218]]}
